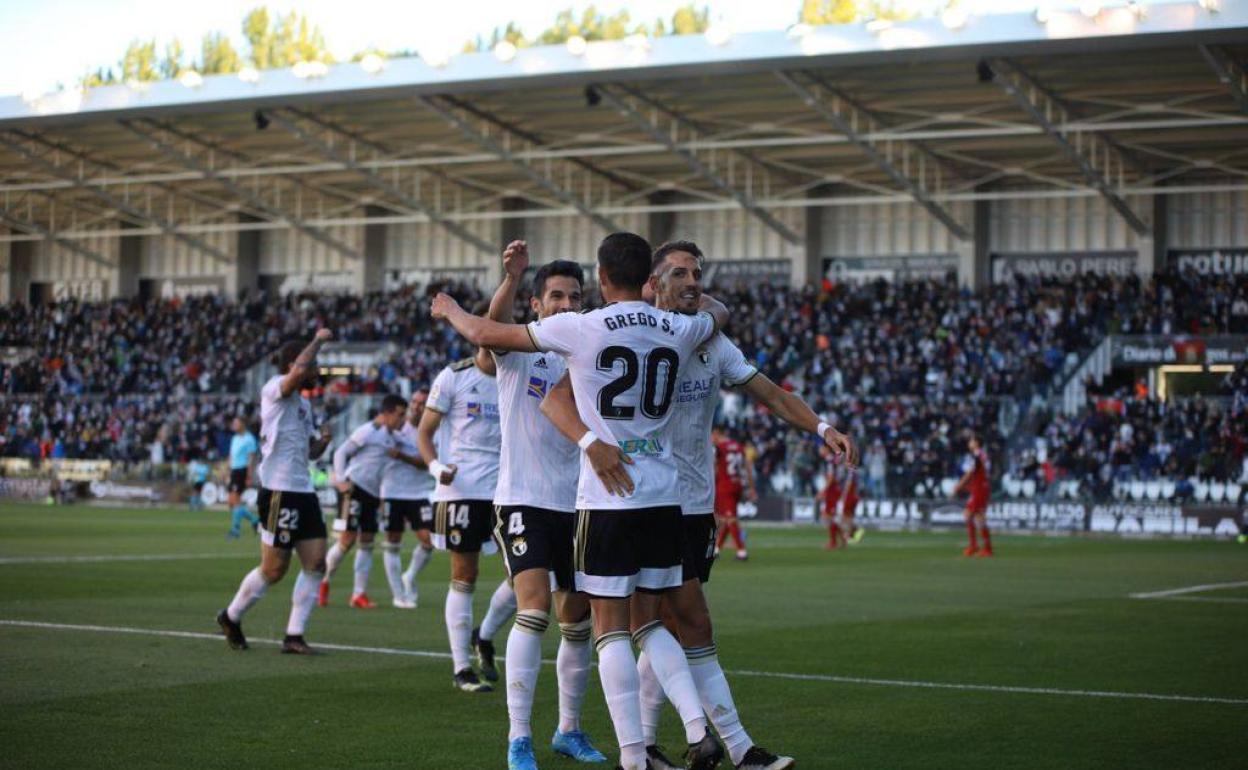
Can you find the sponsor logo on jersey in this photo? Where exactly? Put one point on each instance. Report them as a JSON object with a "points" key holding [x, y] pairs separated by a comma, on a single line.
{"points": [[541, 363], [642, 446], [475, 409], [694, 390], [538, 387]]}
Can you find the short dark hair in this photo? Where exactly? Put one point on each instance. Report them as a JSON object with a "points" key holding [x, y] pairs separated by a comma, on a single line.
{"points": [[392, 402], [284, 357], [625, 258], [563, 267], [660, 254]]}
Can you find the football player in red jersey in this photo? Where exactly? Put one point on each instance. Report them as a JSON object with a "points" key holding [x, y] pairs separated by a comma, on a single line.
{"points": [[734, 479], [839, 504], [975, 482]]}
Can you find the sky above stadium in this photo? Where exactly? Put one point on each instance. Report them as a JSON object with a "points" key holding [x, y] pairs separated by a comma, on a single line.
{"points": [[44, 43]]}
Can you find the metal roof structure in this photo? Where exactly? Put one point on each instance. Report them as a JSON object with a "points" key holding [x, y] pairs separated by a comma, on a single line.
{"points": [[1127, 102]]}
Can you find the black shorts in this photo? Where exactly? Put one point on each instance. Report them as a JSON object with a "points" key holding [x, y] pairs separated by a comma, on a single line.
{"points": [[537, 538], [699, 547], [238, 481], [619, 552], [398, 515], [357, 511], [288, 517], [463, 526], [198, 486]]}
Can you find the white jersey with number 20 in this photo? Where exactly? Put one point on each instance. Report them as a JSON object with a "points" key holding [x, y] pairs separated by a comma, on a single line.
{"points": [[625, 360]]}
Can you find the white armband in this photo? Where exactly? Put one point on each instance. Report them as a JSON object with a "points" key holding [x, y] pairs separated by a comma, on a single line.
{"points": [[586, 440], [822, 429], [436, 468]]}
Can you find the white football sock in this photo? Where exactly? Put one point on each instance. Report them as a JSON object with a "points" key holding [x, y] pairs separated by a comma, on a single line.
{"points": [[249, 592], [572, 667], [670, 666], [717, 701], [393, 563], [333, 558], [363, 566], [617, 671], [652, 699], [459, 623], [502, 607], [420, 559], [302, 600], [524, 660]]}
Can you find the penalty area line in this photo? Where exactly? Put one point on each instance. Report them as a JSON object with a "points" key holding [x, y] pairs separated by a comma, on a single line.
{"points": [[1188, 590], [120, 558], [853, 680]]}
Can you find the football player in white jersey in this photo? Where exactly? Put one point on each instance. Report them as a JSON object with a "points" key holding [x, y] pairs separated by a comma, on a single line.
{"points": [[406, 488], [624, 360], [359, 464], [290, 513], [536, 505], [676, 285], [462, 414]]}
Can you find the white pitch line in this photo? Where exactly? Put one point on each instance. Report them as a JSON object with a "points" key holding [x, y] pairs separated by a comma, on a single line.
{"points": [[761, 674], [120, 557], [1200, 599], [1189, 590]]}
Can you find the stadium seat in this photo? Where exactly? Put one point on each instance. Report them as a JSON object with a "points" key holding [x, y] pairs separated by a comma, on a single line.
{"points": [[1136, 489], [1013, 487], [1029, 488], [1120, 490], [1152, 489], [1167, 489], [947, 486], [920, 490], [1217, 491]]}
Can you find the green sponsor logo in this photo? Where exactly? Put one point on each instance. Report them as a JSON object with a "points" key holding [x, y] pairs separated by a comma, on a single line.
{"points": [[642, 446]]}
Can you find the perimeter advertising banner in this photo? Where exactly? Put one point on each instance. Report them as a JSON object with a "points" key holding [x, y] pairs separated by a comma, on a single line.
{"points": [[1063, 264], [1157, 350], [1228, 261]]}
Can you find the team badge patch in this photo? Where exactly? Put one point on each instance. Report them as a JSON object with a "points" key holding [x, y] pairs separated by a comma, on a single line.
{"points": [[455, 537], [473, 409], [704, 356], [284, 536], [519, 547]]}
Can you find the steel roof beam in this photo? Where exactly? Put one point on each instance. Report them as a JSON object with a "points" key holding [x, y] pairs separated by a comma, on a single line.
{"points": [[1229, 73], [122, 206], [9, 219], [503, 152], [372, 178], [625, 106], [243, 195], [908, 164], [1098, 160]]}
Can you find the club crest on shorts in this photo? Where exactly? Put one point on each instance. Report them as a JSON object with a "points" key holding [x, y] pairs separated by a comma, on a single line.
{"points": [[284, 536], [519, 547], [455, 537]]}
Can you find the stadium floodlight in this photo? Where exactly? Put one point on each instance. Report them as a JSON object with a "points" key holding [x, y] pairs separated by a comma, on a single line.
{"points": [[505, 50], [718, 34], [954, 17], [249, 75], [372, 63], [1090, 8], [191, 79], [1043, 14], [577, 45], [309, 69], [799, 31]]}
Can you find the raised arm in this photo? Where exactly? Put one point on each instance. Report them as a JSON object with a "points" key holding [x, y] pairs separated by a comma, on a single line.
{"points": [[608, 461], [294, 378], [792, 409], [342, 455], [482, 332], [415, 462], [318, 444], [429, 422], [515, 262], [718, 311]]}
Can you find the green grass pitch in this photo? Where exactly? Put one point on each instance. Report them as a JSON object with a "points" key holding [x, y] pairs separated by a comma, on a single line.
{"points": [[856, 635]]}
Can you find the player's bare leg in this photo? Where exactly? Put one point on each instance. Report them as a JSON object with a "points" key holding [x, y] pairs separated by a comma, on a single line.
{"points": [[972, 535], [333, 559], [981, 522], [273, 565], [458, 614], [392, 562], [420, 559], [303, 597], [686, 613], [362, 568], [671, 667]]}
